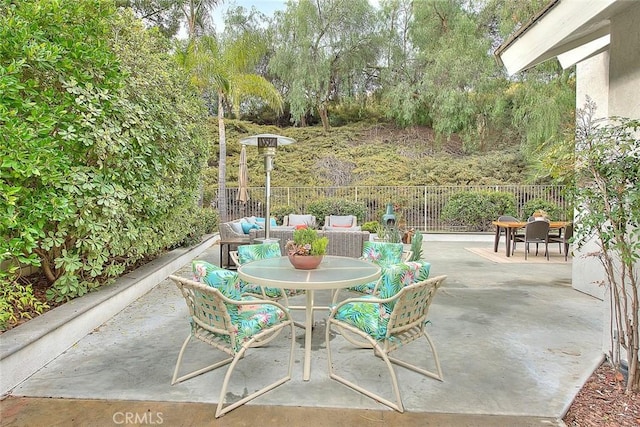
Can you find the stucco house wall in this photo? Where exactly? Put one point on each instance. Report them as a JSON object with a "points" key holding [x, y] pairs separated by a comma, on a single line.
{"points": [[602, 38]]}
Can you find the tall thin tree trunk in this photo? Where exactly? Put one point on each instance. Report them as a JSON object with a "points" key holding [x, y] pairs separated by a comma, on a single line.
{"points": [[324, 116], [222, 165]]}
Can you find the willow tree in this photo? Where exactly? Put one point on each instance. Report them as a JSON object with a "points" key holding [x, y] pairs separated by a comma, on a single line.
{"points": [[323, 51], [440, 75], [540, 102], [227, 68]]}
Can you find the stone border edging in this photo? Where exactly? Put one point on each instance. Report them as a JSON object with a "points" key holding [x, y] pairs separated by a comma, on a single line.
{"points": [[28, 347]]}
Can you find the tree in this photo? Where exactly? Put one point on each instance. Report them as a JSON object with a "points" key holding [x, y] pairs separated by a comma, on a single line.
{"points": [[438, 70], [162, 14], [167, 15], [197, 15], [607, 198], [539, 102], [102, 143], [225, 66], [323, 49]]}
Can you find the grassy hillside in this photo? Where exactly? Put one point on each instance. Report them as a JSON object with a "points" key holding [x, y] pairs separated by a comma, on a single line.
{"points": [[366, 154]]}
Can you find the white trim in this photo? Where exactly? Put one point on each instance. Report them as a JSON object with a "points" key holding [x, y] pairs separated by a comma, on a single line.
{"points": [[568, 25], [586, 51]]}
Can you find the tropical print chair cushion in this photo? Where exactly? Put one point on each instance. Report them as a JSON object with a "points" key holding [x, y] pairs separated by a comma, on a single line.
{"points": [[248, 253], [395, 277], [226, 281], [251, 319], [382, 253], [372, 318], [246, 320]]}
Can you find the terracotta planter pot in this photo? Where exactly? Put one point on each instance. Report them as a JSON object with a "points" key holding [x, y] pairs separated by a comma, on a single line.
{"points": [[305, 262]]}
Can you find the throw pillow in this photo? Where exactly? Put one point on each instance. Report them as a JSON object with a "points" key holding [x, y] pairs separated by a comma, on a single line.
{"points": [[247, 226], [260, 222], [236, 227], [227, 282]]}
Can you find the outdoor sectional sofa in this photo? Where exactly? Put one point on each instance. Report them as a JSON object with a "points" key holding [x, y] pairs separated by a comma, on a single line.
{"points": [[341, 243]]}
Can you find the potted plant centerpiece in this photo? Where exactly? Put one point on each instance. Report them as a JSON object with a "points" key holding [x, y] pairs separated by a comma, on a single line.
{"points": [[540, 215], [306, 249]]}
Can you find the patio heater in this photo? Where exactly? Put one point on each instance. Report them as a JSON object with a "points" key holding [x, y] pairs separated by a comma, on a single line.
{"points": [[267, 144]]}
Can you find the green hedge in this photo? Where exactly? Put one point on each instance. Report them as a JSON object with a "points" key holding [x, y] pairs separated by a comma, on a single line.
{"points": [[102, 146], [554, 211], [475, 210]]}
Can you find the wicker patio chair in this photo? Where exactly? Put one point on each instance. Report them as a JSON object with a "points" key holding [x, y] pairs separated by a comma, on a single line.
{"points": [[386, 325], [231, 325], [563, 240], [341, 222], [535, 232]]}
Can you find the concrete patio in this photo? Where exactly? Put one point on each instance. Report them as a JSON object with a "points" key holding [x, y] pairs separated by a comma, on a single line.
{"points": [[516, 343]]}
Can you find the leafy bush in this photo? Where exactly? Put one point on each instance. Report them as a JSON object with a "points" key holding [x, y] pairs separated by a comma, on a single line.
{"points": [[279, 212], [550, 208], [102, 145], [477, 209], [17, 301], [332, 206], [371, 226], [204, 221]]}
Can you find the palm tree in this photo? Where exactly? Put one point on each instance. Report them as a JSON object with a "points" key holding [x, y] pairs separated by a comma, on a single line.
{"points": [[227, 68], [196, 13]]}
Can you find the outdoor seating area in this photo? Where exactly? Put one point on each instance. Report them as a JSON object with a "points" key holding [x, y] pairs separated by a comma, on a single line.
{"points": [[234, 311], [486, 331], [537, 230], [433, 220]]}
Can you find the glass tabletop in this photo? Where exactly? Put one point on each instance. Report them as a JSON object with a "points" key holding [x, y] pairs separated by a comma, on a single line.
{"points": [[333, 272]]}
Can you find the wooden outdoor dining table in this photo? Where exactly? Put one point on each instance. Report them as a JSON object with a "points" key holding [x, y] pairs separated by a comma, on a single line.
{"points": [[510, 230]]}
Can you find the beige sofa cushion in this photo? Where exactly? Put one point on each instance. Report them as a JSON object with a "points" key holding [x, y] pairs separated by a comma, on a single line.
{"points": [[296, 219], [342, 221]]}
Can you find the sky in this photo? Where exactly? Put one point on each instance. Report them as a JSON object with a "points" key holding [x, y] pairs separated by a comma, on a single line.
{"points": [[265, 6]]}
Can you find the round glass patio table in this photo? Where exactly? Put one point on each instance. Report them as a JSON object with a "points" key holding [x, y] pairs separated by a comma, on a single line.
{"points": [[334, 272]]}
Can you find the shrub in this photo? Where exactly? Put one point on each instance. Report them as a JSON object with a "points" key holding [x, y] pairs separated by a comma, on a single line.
{"points": [[371, 226], [608, 172], [17, 302], [333, 206], [550, 208], [102, 146], [204, 221], [279, 212], [477, 209]]}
